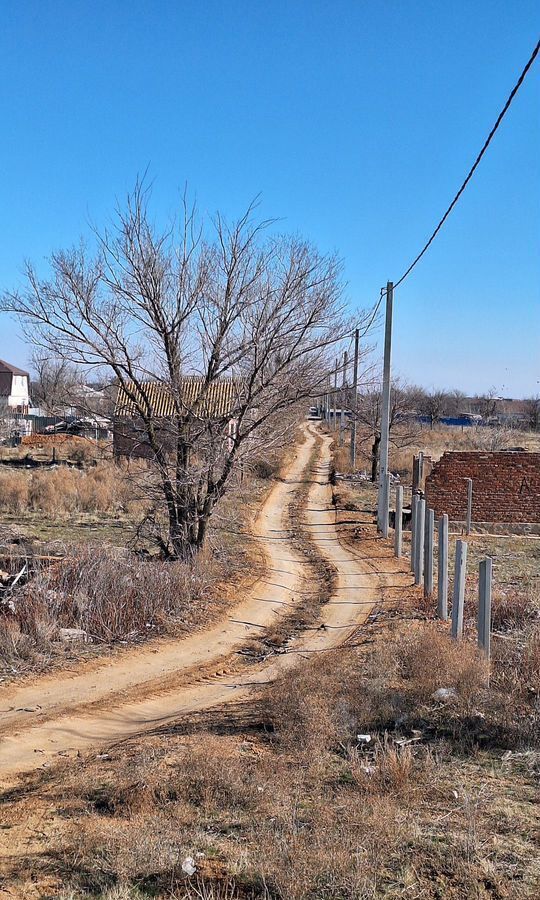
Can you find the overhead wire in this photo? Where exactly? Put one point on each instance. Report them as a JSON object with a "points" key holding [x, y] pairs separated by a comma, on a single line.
{"points": [[475, 165], [455, 200]]}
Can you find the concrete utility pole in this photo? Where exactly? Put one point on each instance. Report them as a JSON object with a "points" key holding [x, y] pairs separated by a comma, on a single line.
{"points": [[398, 524], [342, 404], [469, 505], [386, 517], [484, 605], [442, 570], [382, 509], [420, 537], [355, 398], [458, 597], [428, 553], [327, 400], [335, 395]]}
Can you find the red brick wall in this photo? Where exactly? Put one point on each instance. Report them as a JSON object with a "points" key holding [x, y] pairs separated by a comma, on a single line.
{"points": [[506, 486]]}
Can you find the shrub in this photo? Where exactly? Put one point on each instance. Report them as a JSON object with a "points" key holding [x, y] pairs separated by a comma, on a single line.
{"points": [[264, 468], [429, 659], [13, 491], [513, 610], [112, 594]]}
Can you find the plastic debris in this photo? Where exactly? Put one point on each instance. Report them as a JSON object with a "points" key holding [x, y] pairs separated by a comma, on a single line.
{"points": [[188, 866], [444, 693]]}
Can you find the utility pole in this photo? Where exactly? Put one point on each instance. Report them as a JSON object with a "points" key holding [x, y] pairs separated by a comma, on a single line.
{"points": [[342, 404], [382, 507], [355, 398], [327, 400], [335, 395]]}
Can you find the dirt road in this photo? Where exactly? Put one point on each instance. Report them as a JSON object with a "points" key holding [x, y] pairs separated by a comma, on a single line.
{"points": [[58, 716]]}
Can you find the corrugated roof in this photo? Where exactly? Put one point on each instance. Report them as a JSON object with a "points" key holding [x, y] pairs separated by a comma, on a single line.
{"points": [[12, 370], [215, 400]]}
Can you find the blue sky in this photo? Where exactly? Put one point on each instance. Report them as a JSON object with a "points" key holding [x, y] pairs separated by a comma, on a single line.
{"points": [[356, 121]]}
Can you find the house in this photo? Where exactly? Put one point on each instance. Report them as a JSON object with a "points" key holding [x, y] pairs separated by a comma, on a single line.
{"points": [[14, 389], [197, 401]]}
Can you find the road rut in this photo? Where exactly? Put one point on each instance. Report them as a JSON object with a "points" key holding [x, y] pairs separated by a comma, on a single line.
{"points": [[58, 730]]}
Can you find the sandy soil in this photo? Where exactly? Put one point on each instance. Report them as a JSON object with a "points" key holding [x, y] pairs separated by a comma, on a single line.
{"points": [[59, 716]]}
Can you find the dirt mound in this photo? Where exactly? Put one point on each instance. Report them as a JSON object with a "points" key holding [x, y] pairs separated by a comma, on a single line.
{"points": [[54, 440]]}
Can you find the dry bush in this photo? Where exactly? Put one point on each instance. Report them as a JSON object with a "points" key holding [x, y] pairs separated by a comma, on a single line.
{"points": [[202, 778], [514, 609], [111, 594], [14, 644], [265, 468], [315, 709], [516, 675], [490, 438], [429, 659], [342, 459], [53, 492], [13, 491]]}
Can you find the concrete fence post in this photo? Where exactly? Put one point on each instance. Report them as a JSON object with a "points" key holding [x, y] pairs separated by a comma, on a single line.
{"points": [[414, 517], [458, 597], [469, 505], [484, 605], [428, 553], [398, 524], [420, 529], [442, 570]]}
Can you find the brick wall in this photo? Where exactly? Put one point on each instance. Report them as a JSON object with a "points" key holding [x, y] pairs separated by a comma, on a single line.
{"points": [[506, 486]]}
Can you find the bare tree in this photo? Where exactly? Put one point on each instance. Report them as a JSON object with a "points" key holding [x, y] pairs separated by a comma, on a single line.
{"points": [[486, 404], [532, 411], [457, 402], [369, 410], [432, 404], [156, 308], [54, 383]]}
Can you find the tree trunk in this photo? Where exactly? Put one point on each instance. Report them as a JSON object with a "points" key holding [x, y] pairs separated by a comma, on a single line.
{"points": [[375, 457]]}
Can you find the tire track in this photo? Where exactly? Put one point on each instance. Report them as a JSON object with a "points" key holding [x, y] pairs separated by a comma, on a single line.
{"points": [[211, 683]]}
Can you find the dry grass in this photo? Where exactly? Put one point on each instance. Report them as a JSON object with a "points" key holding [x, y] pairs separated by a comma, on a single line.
{"points": [[407, 442], [304, 809], [434, 442], [111, 594], [61, 491]]}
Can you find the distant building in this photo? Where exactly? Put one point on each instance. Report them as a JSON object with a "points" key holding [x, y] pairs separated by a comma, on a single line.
{"points": [[14, 389], [218, 401]]}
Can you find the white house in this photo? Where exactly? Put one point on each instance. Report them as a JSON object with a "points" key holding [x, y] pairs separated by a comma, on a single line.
{"points": [[14, 389]]}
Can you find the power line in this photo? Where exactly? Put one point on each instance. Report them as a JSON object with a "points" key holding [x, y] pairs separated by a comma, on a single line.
{"points": [[490, 136]]}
